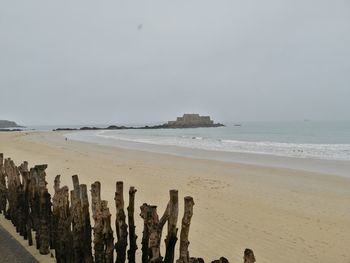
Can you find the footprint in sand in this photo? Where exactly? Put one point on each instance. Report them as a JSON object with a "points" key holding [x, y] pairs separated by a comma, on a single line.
{"points": [[208, 183]]}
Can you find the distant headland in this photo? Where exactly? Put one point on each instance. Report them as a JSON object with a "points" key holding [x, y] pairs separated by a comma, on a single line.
{"points": [[186, 121], [6, 125]]}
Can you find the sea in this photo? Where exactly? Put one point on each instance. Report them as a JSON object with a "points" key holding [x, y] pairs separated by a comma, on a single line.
{"points": [[325, 140]]}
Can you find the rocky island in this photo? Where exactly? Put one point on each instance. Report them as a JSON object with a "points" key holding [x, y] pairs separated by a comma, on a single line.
{"points": [[192, 121], [186, 121]]}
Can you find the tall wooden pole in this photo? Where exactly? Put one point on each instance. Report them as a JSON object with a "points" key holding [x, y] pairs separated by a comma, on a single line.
{"points": [[171, 238], [86, 225], [185, 228], [120, 225], [131, 221], [3, 188]]}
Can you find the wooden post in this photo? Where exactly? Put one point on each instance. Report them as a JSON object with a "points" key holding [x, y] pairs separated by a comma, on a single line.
{"points": [[26, 205], [153, 227], [248, 256], [86, 225], [120, 225], [23, 204], [131, 221], [185, 228], [3, 188], [220, 260], [154, 235], [37, 188], [62, 235], [40, 205], [98, 225], [171, 238], [77, 228], [42, 209], [145, 233], [108, 239], [44, 227], [13, 182], [103, 233], [95, 197]]}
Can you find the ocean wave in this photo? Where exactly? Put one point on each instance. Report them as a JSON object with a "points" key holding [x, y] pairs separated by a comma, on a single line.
{"points": [[299, 150]]}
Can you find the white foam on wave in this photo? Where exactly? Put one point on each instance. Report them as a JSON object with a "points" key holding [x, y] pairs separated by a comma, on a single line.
{"points": [[315, 151]]}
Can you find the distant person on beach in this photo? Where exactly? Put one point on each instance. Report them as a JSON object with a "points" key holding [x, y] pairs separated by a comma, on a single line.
{"points": [[66, 138]]}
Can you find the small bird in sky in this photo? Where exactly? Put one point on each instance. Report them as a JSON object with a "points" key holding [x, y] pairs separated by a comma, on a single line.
{"points": [[139, 27]]}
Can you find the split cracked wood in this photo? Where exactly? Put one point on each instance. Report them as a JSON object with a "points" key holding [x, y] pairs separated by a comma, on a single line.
{"points": [[40, 208], [103, 233], [13, 183], [185, 228], [108, 238], [153, 227], [80, 223], [171, 238]]}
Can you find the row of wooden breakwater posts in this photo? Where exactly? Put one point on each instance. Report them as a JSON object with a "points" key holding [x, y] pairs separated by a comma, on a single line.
{"points": [[63, 224]]}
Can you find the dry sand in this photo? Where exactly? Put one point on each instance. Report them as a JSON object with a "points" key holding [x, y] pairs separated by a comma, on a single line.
{"points": [[284, 215]]}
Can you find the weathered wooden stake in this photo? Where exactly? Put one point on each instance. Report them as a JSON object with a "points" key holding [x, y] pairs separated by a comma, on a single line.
{"points": [[131, 221], [13, 183], [171, 238], [62, 235], [26, 203], [220, 260], [77, 228], [40, 208], [3, 188], [185, 228], [145, 233], [44, 227], [95, 197], [23, 203], [248, 256], [86, 225], [120, 225], [107, 233], [98, 226], [103, 233], [154, 226]]}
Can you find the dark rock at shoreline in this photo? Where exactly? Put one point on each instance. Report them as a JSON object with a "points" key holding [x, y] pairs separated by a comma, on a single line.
{"points": [[10, 130]]}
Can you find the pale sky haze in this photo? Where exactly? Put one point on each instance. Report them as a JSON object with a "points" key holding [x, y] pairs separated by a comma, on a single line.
{"points": [[85, 62]]}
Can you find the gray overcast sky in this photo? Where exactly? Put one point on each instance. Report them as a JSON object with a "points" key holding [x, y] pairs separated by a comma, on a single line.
{"points": [[83, 61]]}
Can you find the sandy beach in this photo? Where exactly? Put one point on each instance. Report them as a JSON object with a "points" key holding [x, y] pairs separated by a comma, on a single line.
{"points": [[284, 215]]}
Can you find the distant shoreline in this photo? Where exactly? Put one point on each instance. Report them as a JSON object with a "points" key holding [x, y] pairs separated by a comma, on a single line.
{"points": [[186, 121], [114, 127]]}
